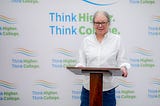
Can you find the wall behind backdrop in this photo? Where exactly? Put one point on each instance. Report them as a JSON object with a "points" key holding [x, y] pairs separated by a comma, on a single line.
{"points": [[39, 38]]}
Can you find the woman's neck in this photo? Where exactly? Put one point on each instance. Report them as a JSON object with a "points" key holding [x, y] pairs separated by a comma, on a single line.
{"points": [[100, 37]]}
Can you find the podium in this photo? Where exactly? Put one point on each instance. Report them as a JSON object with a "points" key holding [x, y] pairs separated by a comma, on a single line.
{"points": [[96, 81]]}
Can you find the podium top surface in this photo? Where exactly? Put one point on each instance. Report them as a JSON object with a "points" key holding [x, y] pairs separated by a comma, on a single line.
{"points": [[93, 68], [84, 70]]}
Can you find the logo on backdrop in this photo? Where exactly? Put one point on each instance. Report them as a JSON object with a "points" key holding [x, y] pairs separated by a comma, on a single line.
{"points": [[154, 28], [101, 2], [127, 92], [7, 27], [68, 60], [76, 92], [65, 52], [154, 93], [144, 61], [73, 24], [48, 91], [9, 92], [25, 1], [142, 1], [20, 61]]}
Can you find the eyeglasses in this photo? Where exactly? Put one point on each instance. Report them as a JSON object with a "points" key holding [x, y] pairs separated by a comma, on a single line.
{"points": [[100, 23]]}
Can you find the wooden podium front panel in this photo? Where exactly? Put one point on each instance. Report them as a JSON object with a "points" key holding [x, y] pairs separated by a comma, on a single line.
{"points": [[96, 81]]}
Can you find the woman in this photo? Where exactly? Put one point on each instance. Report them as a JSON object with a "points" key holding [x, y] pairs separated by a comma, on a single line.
{"points": [[102, 50]]}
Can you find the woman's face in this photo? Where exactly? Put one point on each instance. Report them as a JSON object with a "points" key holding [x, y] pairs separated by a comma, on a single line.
{"points": [[101, 24]]}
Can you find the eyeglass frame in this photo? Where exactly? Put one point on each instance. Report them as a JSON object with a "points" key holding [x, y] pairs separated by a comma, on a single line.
{"points": [[100, 23]]}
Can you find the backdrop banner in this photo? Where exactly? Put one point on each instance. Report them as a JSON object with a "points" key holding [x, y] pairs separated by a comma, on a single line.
{"points": [[39, 38]]}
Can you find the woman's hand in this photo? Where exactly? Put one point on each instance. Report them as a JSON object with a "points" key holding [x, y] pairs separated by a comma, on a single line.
{"points": [[124, 71], [79, 65]]}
